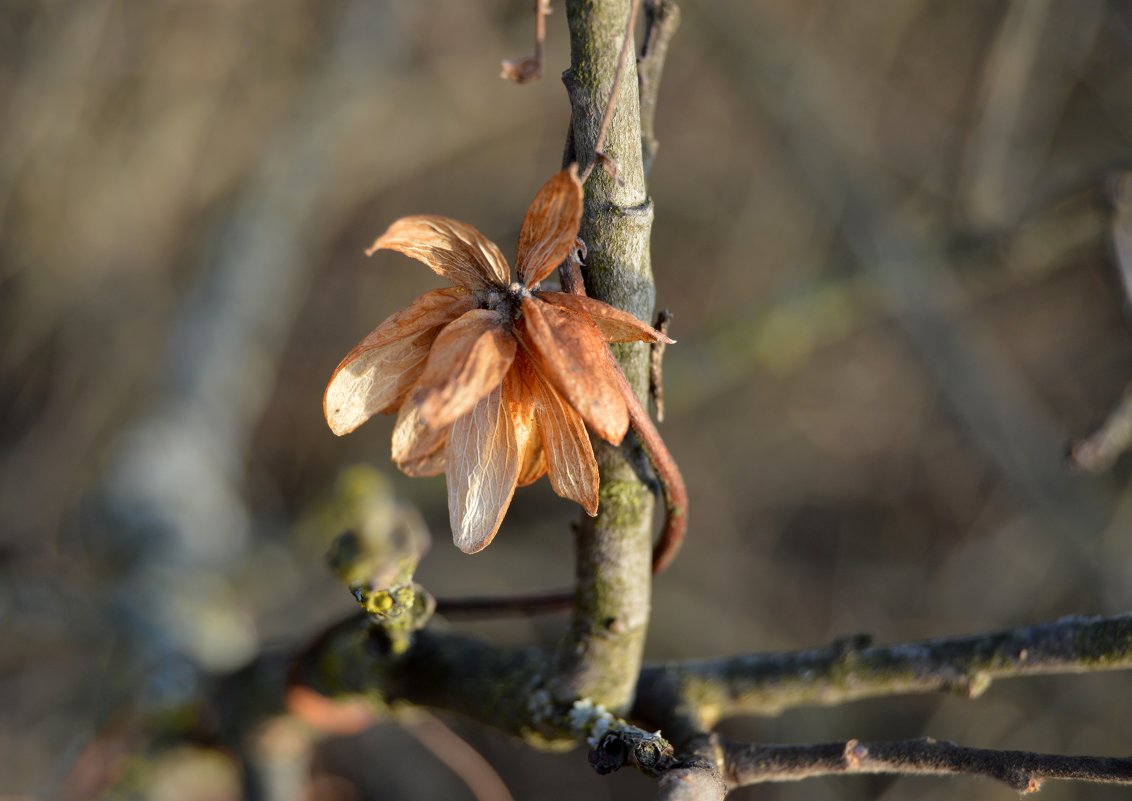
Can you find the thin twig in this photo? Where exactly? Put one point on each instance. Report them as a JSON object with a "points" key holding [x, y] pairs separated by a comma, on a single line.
{"points": [[852, 669], [1098, 451], [499, 606], [622, 58], [662, 18], [570, 271], [656, 364], [1023, 771], [477, 774], [529, 68]]}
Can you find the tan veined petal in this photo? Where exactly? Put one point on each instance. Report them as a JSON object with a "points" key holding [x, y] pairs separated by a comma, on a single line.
{"points": [[417, 449], [449, 248], [615, 325], [483, 468], [550, 227], [570, 458], [569, 353], [468, 360], [375, 376], [518, 395], [535, 464]]}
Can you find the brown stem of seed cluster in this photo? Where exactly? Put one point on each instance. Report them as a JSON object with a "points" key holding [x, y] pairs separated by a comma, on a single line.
{"points": [[671, 480]]}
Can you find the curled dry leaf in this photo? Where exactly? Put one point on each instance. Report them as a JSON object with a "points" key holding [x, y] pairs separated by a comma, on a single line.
{"points": [[380, 370], [449, 248], [521, 70], [468, 360], [569, 456], [569, 353], [615, 325], [494, 382], [550, 227], [483, 469], [417, 449]]}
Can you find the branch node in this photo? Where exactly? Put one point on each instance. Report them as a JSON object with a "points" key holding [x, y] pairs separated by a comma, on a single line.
{"points": [[854, 754], [649, 753]]}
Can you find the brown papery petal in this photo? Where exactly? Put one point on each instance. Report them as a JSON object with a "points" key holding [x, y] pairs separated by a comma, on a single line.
{"points": [[550, 227], [535, 464], [468, 360], [417, 449], [519, 397], [570, 458], [375, 376], [569, 352], [449, 248], [615, 325], [483, 467]]}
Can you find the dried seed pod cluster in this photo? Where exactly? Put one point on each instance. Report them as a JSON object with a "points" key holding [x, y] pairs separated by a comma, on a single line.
{"points": [[493, 381]]}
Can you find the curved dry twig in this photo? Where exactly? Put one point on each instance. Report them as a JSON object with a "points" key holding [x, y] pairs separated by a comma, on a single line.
{"points": [[496, 606], [671, 480], [1099, 451], [477, 774]]}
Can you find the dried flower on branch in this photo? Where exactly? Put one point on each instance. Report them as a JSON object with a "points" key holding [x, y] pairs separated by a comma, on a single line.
{"points": [[493, 382]]}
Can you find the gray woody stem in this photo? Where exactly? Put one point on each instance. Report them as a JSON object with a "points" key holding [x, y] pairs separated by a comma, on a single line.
{"points": [[1021, 770], [600, 657], [767, 684], [493, 685]]}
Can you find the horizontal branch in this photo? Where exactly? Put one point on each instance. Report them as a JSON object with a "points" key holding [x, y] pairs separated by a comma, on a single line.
{"points": [[767, 684], [506, 689], [1023, 771]]}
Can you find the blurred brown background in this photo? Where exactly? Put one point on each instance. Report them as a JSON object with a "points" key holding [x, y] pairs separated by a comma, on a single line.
{"points": [[884, 229]]}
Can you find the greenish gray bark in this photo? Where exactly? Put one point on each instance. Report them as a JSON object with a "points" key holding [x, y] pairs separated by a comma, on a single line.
{"points": [[600, 657], [852, 669]]}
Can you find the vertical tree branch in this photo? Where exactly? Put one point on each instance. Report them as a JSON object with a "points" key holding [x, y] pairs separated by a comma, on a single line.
{"points": [[601, 654]]}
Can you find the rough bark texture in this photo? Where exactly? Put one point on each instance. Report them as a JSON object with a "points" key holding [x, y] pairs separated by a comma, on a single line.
{"points": [[852, 669], [601, 656]]}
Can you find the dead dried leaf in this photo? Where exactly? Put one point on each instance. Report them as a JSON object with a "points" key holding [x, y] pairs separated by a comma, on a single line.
{"points": [[615, 325], [570, 457], [381, 369], [550, 227], [518, 394], [449, 248], [418, 450], [483, 468], [468, 360], [570, 354], [521, 70]]}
